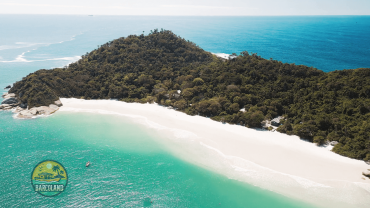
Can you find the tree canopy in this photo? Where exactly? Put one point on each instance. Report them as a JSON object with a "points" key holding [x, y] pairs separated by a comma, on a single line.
{"points": [[318, 106]]}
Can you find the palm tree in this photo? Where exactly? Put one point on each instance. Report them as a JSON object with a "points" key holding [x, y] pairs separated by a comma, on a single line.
{"points": [[56, 168]]}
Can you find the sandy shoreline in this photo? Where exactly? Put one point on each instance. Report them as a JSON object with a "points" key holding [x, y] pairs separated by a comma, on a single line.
{"points": [[270, 160]]}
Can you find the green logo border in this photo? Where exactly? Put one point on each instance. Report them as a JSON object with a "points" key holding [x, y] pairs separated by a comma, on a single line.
{"points": [[65, 170]]}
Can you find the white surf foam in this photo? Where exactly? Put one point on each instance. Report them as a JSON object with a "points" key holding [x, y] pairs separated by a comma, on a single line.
{"points": [[21, 58], [19, 45], [72, 38], [222, 55]]}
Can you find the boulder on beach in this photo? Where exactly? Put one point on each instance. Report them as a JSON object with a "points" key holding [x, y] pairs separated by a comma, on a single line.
{"points": [[34, 111], [43, 110], [10, 101], [276, 121], [58, 103], [17, 109], [366, 173], [55, 107], [25, 114]]}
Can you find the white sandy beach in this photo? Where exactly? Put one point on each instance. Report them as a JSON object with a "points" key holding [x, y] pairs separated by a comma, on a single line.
{"points": [[270, 160]]}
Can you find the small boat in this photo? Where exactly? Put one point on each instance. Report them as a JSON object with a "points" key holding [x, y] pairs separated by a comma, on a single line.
{"points": [[88, 164]]}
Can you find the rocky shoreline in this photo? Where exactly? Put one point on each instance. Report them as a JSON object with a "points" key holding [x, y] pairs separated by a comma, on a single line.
{"points": [[12, 103]]}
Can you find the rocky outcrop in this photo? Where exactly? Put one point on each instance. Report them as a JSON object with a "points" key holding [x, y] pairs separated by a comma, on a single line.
{"points": [[36, 111], [8, 95], [5, 107], [23, 105], [366, 173], [58, 103], [7, 87], [273, 124], [11, 103], [276, 121]]}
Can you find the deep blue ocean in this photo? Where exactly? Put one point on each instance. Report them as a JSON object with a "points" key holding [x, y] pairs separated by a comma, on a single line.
{"points": [[129, 168], [31, 42]]}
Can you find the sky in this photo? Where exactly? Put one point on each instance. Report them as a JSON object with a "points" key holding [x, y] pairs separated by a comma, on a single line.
{"points": [[187, 7]]}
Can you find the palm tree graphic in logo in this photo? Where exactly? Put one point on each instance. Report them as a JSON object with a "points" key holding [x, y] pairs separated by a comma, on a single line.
{"points": [[56, 168]]}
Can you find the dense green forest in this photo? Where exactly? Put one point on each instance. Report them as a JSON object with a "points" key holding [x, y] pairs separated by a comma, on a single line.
{"points": [[317, 106]]}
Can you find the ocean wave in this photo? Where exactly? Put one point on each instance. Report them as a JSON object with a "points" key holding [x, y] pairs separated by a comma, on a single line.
{"points": [[222, 55], [19, 45], [20, 58], [72, 38], [72, 59]]}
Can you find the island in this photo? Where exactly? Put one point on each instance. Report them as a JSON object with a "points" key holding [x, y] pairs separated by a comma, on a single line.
{"points": [[244, 89]]}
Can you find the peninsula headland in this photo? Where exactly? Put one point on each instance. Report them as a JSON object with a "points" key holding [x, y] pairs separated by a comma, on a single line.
{"points": [[246, 89]]}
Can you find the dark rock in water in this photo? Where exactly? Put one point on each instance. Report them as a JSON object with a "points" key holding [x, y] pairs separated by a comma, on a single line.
{"points": [[8, 87], [10, 101], [23, 105]]}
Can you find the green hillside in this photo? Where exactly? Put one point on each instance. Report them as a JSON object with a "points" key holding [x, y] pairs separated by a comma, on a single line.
{"points": [[318, 106]]}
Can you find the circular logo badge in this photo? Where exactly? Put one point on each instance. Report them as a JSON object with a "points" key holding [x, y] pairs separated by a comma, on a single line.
{"points": [[49, 178]]}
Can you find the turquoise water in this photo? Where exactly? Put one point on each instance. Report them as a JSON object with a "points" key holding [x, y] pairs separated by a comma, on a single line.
{"points": [[129, 168]]}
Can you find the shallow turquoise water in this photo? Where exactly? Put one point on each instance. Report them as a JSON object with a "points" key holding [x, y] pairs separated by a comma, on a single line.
{"points": [[129, 168]]}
